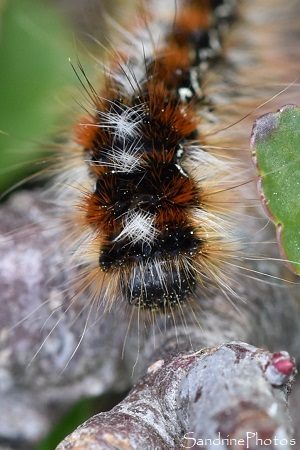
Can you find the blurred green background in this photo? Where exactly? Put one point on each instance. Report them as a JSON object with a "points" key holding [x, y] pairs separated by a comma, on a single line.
{"points": [[35, 76]]}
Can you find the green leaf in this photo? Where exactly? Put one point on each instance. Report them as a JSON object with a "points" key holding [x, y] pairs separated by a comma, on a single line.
{"points": [[276, 153]]}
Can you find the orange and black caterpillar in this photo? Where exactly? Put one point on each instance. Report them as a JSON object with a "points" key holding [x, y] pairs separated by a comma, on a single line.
{"points": [[148, 223]]}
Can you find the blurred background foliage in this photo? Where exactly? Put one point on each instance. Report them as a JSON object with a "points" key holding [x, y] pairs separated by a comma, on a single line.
{"points": [[35, 44]]}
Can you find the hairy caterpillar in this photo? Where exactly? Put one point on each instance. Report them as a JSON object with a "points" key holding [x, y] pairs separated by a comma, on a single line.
{"points": [[149, 193], [169, 116], [155, 213], [151, 224]]}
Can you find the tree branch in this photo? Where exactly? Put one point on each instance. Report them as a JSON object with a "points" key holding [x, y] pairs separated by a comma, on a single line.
{"points": [[233, 393]]}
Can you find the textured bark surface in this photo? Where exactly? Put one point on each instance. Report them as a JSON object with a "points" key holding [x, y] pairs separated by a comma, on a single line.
{"points": [[228, 394]]}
